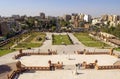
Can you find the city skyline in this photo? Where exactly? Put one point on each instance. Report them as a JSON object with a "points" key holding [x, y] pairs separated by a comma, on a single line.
{"points": [[59, 7]]}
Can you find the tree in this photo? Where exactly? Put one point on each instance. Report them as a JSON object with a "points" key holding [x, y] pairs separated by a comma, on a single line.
{"points": [[112, 30], [53, 28], [30, 22], [64, 23]]}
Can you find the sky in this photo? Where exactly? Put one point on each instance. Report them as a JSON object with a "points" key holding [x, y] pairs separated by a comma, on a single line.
{"points": [[59, 7]]}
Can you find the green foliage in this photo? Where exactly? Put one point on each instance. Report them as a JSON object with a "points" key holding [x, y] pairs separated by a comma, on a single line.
{"points": [[64, 23], [30, 22], [118, 49], [89, 41], [112, 30], [53, 28], [29, 43], [10, 34], [14, 40], [39, 39], [81, 24], [4, 52], [24, 26]]}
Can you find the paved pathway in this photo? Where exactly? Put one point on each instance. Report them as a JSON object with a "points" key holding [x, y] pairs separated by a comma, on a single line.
{"points": [[75, 40], [69, 74]]}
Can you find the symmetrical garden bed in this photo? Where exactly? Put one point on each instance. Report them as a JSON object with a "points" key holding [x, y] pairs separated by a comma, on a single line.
{"points": [[61, 40], [89, 41]]}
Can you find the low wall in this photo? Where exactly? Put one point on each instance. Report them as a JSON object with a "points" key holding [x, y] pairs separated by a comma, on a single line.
{"points": [[80, 52], [107, 67], [13, 74], [27, 54], [92, 53], [16, 72], [36, 68], [58, 66], [96, 53], [4, 42]]}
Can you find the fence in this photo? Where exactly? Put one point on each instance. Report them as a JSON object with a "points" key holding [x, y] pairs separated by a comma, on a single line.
{"points": [[96, 53], [13, 74], [107, 67], [27, 54]]}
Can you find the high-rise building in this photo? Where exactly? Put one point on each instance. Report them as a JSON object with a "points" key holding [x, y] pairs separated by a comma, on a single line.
{"points": [[87, 18], [104, 17], [16, 16], [42, 15], [81, 17], [110, 18], [72, 18], [118, 18], [67, 17], [96, 21], [4, 28], [115, 18], [74, 14]]}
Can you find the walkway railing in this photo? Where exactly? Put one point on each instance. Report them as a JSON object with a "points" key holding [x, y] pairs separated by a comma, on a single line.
{"points": [[39, 53]]}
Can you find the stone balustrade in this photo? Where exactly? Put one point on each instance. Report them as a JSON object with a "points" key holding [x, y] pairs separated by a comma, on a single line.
{"points": [[21, 68], [40, 53], [58, 66], [4, 42], [96, 53], [13, 74], [107, 67], [80, 52], [36, 68]]}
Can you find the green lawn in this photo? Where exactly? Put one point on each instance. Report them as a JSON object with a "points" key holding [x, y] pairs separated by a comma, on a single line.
{"points": [[89, 41], [5, 49], [4, 52], [61, 39], [28, 45], [13, 40], [118, 49], [32, 41]]}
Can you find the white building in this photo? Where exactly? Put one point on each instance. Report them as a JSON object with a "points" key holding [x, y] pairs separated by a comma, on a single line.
{"points": [[95, 21], [113, 23], [81, 17], [115, 18], [87, 18]]}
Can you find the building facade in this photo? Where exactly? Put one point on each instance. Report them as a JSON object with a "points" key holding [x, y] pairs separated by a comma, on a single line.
{"points": [[87, 18], [42, 15]]}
